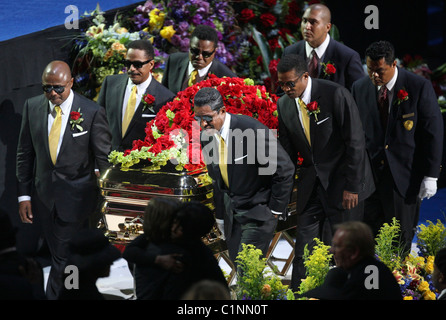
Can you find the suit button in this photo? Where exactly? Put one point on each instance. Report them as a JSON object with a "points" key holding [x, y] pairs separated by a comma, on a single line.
{"points": [[382, 162], [387, 146]]}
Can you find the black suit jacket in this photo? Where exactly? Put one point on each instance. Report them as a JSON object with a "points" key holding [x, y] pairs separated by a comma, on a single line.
{"points": [[337, 155], [346, 60], [176, 69], [71, 184], [111, 97], [257, 183], [413, 143]]}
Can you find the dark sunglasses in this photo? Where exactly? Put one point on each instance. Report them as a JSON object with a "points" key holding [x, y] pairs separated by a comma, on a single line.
{"points": [[197, 52], [208, 119], [289, 84], [57, 89], [137, 64]]}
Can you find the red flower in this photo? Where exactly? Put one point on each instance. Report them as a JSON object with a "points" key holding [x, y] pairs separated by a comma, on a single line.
{"points": [[268, 19], [74, 115], [313, 109], [402, 95], [148, 100], [247, 15], [330, 69], [270, 3]]}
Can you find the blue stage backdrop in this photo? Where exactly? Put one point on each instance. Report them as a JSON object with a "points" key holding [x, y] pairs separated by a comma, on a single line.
{"points": [[18, 18]]}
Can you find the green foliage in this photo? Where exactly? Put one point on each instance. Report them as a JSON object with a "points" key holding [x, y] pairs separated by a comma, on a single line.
{"points": [[317, 265], [431, 238], [388, 247], [255, 281]]}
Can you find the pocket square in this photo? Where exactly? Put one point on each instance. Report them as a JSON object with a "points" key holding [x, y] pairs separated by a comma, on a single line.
{"points": [[241, 158], [319, 122], [79, 134], [145, 115]]}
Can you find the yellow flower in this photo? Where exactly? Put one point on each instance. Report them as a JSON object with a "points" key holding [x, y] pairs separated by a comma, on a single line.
{"points": [[167, 32], [156, 19], [423, 286], [408, 298], [429, 295], [121, 30], [429, 265]]}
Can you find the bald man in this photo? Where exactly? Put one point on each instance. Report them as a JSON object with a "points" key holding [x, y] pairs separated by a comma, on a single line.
{"points": [[63, 137], [319, 49]]}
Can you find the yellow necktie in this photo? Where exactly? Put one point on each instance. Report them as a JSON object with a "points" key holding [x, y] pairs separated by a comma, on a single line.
{"points": [[129, 111], [222, 163], [192, 78], [305, 119], [53, 138]]}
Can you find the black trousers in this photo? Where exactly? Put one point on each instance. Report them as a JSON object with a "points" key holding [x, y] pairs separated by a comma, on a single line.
{"points": [[57, 234], [386, 203], [317, 220]]}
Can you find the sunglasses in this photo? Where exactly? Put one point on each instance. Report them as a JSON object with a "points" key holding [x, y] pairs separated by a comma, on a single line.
{"points": [[289, 84], [208, 119], [197, 52], [57, 89], [137, 64]]}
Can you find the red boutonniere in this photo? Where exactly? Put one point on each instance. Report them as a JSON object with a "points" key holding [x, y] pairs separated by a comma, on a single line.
{"points": [[401, 95], [76, 119], [328, 68], [148, 100], [313, 109]]}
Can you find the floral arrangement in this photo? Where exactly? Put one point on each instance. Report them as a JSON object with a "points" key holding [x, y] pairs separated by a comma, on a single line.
{"points": [[317, 265], [412, 272], [173, 135], [100, 51], [255, 281], [170, 23], [418, 65]]}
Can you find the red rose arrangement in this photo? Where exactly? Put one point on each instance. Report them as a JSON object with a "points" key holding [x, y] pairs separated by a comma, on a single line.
{"points": [[401, 95], [76, 119], [313, 109], [174, 134], [148, 100]]}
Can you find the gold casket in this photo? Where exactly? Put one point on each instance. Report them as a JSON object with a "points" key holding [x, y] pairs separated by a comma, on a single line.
{"points": [[126, 193]]}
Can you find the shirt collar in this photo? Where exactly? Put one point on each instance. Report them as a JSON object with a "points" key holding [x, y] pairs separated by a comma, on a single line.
{"points": [[392, 81], [320, 51], [306, 95], [224, 131], [201, 72], [142, 87], [64, 106]]}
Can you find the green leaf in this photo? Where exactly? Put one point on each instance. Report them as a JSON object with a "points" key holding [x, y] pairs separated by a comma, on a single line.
{"points": [[263, 47]]}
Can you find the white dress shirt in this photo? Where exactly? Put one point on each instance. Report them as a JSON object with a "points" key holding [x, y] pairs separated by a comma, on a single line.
{"points": [[320, 51], [306, 98], [141, 90]]}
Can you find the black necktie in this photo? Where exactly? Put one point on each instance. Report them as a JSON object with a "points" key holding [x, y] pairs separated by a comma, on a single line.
{"points": [[312, 67], [383, 105]]}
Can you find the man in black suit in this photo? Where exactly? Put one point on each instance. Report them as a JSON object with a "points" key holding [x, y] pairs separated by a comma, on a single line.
{"points": [[319, 120], [252, 178], [316, 23], [63, 137], [117, 99], [404, 136], [353, 249], [185, 69]]}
